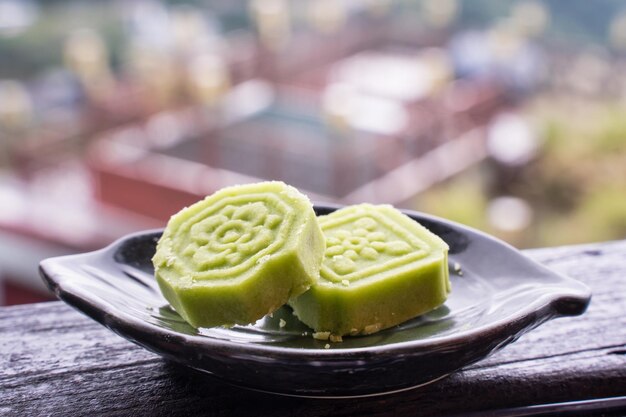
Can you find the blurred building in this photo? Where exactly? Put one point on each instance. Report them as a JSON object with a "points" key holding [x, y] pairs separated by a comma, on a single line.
{"points": [[114, 115]]}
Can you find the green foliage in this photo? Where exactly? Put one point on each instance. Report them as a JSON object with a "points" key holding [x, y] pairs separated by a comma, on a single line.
{"points": [[40, 47], [576, 187], [611, 137], [462, 199]]}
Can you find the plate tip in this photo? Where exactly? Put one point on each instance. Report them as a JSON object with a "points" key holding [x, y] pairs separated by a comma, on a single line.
{"points": [[575, 302], [45, 273], [50, 271]]}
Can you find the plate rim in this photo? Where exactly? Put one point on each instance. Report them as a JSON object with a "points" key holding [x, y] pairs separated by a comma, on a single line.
{"points": [[542, 309]]}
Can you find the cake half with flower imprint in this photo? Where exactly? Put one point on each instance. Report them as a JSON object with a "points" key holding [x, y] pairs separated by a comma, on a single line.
{"points": [[380, 268], [239, 254]]}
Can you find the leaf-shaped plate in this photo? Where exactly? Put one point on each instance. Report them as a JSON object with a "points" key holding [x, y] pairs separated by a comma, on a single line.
{"points": [[498, 294]]}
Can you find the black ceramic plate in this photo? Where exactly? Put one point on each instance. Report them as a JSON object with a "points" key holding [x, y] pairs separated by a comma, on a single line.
{"points": [[499, 295]]}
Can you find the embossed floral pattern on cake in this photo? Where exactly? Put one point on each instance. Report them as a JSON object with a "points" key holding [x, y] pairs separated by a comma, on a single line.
{"points": [[232, 235], [359, 246]]}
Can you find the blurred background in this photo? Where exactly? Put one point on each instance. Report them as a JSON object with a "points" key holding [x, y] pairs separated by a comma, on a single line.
{"points": [[508, 116]]}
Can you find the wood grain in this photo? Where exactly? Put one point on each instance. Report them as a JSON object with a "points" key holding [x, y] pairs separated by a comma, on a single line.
{"points": [[54, 361]]}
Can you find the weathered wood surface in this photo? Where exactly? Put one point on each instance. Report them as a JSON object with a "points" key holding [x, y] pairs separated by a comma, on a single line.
{"points": [[54, 361]]}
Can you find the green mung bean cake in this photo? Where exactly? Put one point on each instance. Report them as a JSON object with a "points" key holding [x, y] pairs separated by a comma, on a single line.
{"points": [[380, 269], [239, 254]]}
